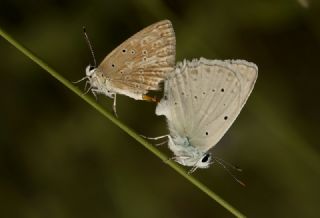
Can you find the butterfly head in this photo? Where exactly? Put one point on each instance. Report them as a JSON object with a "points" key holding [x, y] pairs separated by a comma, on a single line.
{"points": [[195, 161], [205, 161], [188, 155]]}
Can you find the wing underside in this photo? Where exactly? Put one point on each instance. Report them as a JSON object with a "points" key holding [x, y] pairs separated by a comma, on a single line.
{"points": [[141, 62], [202, 98]]}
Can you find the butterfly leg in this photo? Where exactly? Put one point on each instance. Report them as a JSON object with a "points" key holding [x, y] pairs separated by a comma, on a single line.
{"points": [[194, 168], [114, 108], [86, 84], [94, 92], [161, 143], [169, 159], [83, 78], [177, 159], [155, 138]]}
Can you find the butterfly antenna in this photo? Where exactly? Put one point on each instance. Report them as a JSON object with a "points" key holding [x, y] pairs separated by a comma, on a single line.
{"points": [[90, 46], [88, 90], [228, 164], [218, 160]]}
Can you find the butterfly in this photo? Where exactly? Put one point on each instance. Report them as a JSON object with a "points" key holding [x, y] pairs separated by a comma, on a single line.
{"points": [[201, 100], [137, 65]]}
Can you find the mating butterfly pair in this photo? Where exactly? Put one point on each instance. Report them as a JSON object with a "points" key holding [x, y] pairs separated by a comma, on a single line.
{"points": [[201, 97]]}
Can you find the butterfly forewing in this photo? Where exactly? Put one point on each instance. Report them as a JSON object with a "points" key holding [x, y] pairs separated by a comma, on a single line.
{"points": [[141, 62]]}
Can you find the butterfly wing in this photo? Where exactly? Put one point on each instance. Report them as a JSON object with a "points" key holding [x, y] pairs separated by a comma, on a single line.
{"points": [[141, 62], [204, 97]]}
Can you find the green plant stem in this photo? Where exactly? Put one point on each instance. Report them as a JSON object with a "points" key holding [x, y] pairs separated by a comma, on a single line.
{"points": [[125, 128]]}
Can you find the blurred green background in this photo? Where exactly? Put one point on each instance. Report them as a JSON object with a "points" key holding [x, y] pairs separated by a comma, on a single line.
{"points": [[61, 158]]}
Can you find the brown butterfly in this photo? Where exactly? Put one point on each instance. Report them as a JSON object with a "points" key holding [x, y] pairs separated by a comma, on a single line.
{"points": [[136, 66]]}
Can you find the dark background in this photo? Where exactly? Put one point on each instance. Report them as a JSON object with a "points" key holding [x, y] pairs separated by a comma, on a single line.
{"points": [[61, 158]]}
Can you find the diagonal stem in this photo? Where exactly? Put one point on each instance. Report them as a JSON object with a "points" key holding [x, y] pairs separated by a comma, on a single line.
{"points": [[121, 125]]}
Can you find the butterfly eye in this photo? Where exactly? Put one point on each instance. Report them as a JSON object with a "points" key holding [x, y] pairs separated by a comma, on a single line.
{"points": [[206, 158], [90, 70]]}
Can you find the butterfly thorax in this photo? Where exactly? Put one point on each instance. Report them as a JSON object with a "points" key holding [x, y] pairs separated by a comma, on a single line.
{"points": [[187, 154], [99, 82]]}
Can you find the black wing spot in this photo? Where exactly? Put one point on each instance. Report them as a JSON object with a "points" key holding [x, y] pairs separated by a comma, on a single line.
{"points": [[207, 133], [112, 65], [124, 50], [133, 51], [196, 97], [222, 90], [225, 118]]}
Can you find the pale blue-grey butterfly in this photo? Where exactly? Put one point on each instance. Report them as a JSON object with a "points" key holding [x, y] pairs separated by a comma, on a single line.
{"points": [[136, 66], [201, 100]]}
